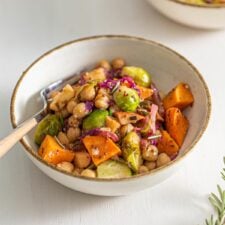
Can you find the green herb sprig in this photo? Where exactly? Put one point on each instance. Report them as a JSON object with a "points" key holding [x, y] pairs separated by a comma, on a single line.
{"points": [[218, 202]]}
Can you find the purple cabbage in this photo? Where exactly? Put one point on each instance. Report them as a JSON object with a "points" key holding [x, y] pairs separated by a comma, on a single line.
{"points": [[89, 106], [109, 83], [130, 82], [82, 81], [98, 131]]}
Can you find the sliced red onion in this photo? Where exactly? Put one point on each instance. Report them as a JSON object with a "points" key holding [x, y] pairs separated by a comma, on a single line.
{"points": [[137, 129], [154, 110], [144, 143], [157, 99]]}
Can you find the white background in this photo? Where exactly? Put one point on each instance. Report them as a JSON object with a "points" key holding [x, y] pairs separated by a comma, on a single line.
{"points": [[27, 196]]}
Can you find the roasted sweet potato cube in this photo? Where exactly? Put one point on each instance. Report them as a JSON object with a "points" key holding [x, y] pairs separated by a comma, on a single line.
{"points": [[100, 148], [145, 92], [179, 97], [176, 124], [53, 153], [167, 144], [112, 123]]}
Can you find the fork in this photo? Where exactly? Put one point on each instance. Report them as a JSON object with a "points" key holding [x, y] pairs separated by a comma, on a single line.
{"points": [[8, 142]]}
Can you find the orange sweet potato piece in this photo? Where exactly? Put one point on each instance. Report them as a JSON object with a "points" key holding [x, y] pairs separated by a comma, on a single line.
{"points": [[179, 97], [112, 123], [53, 153], [176, 124], [100, 148], [167, 144], [145, 92], [127, 117]]}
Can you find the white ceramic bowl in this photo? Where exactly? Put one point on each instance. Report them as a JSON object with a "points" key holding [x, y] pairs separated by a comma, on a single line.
{"points": [[199, 16], [167, 68]]}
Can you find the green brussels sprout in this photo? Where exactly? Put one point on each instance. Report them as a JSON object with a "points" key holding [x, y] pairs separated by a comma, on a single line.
{"points": [[113, 169], [140, 76], [95, 119], [131, 150], [51, 125], [126, 98]]}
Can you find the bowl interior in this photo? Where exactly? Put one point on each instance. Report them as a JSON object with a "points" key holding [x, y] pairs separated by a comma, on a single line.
{"points": [[166, 67]]}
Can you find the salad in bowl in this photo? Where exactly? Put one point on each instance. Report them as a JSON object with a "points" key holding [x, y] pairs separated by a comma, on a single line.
{"points": [[113, 123]]}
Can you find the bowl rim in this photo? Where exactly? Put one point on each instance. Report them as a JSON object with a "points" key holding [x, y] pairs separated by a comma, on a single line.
{"points": [[33, 153], [204, 6]]}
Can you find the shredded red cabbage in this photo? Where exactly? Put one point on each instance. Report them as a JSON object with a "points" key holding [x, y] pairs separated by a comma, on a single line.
{"points": [[116, 72], [82, 81], [130, 82], [98, 131], [89, 105], [109, 83]]}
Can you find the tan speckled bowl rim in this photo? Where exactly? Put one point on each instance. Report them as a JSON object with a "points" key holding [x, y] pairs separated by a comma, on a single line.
{"points": [[206, 6], [33, 153]]}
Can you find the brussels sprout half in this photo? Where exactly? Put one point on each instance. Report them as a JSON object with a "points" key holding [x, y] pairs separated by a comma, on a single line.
{"points": [[126, 98], [140, 76], [51, 125], [95, 120]]}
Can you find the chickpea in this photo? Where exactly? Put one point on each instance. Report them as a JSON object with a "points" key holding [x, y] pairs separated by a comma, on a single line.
{"points": [[102, 99], [70, 106], [80, 111], [150, 153], [77, 171], [88, 173], [64, 113], [102, 103], [82, 160], [73, 121], [104, 64], [63, 138], [162, 159], [125, 129], [61, 104], [143, 169], [73, 133], [96, 74], [150, 165], [88, 93], [118, 63], [65, 166]]}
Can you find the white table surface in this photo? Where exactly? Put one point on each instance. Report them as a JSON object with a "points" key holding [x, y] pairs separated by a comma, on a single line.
{"points": [[27, 196]]}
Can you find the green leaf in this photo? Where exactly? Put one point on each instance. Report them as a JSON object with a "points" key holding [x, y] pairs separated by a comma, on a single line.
{"points": [[218, 202]]}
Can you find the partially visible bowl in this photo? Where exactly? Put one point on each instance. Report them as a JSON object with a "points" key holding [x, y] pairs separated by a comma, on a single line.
{"points": [[206, 16], [167, 68]]}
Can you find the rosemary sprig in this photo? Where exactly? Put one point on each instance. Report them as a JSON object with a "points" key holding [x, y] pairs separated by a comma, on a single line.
{"points": [[218, 202], [223, 172]]}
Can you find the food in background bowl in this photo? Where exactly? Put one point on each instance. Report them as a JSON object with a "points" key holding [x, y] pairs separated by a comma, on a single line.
{"points": [[112, 123], [206, 14], [200, 2]]}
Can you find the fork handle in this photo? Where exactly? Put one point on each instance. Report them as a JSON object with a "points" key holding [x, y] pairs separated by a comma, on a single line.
{"points": [[8, 142]]}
